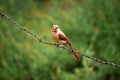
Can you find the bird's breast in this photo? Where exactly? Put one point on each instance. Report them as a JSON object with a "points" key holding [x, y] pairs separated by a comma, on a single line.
{"points": [[55, 37]]}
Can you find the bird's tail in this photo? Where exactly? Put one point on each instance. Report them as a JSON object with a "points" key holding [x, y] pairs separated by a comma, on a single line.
{"points": [[74, 53]]}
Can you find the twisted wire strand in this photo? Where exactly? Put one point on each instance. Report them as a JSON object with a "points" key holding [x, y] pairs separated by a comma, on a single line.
{"points": [[54, 44]]}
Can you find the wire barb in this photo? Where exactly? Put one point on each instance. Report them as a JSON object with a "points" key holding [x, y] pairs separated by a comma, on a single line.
{"points": [[54, 44]]}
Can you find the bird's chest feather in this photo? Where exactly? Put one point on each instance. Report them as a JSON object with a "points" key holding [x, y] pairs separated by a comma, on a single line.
{"points": [[55, 37]]}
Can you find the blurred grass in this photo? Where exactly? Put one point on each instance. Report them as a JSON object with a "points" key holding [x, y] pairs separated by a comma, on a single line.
{"points": [[93, 27]]}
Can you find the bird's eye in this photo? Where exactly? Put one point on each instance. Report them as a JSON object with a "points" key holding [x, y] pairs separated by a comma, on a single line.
{"points": [[56, 28]]}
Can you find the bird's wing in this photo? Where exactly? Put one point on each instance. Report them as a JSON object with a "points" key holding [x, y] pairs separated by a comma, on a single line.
{"points": [[63, 38]]}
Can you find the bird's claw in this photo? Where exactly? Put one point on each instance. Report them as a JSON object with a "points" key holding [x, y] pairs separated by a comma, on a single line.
{"points": [[59, 46]]}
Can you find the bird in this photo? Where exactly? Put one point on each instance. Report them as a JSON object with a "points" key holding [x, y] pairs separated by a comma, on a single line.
{"points": [[60, 38]]}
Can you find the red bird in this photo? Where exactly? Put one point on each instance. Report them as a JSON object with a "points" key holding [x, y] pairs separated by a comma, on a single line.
{"points": [[60, 38]]}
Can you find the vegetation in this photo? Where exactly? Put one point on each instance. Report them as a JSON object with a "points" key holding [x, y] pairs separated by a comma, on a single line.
{"points": [[92, 25]]}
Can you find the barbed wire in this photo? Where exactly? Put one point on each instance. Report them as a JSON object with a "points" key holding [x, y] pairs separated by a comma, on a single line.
{"points": [[54, 44]]}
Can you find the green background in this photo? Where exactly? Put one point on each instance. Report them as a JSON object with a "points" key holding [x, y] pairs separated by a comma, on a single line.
{"points": [[92, 25]]}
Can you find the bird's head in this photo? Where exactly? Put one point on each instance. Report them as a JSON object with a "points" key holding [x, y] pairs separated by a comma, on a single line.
{"points": [[55, 28]]}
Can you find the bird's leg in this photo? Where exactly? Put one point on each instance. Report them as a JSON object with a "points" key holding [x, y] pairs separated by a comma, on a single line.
{"points": [[60, 45]]}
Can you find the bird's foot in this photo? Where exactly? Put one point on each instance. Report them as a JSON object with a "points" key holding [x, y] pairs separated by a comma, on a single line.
{"points": [[59, 45]]}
